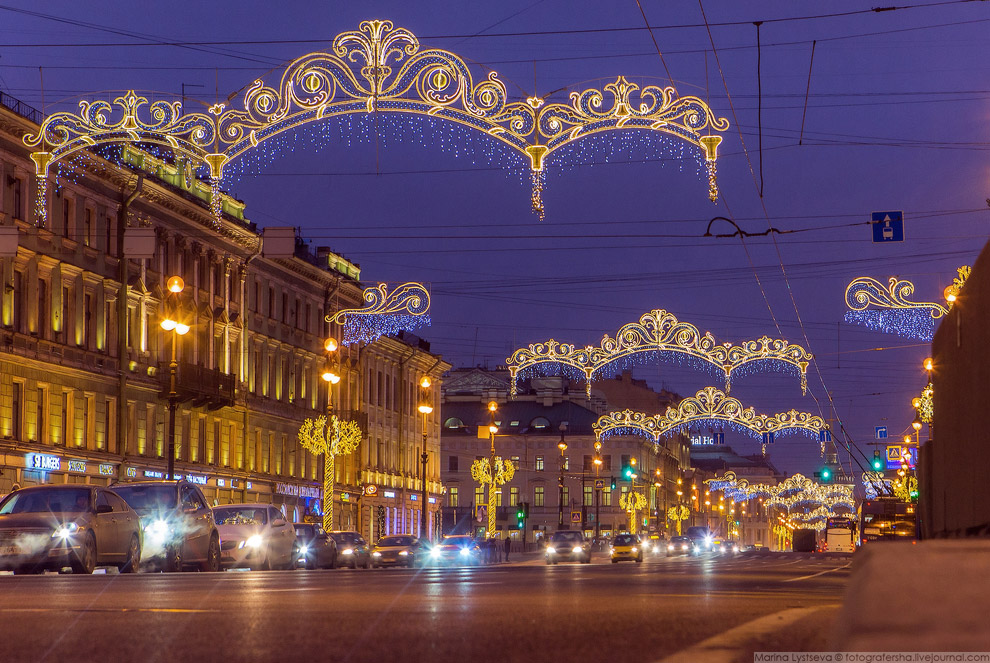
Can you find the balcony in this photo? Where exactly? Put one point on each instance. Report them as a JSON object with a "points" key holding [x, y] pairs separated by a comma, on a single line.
{"points": [[203, 386]]}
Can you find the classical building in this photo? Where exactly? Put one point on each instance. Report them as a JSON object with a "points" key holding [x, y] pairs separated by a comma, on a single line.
{"points": [[558, 485], [85, 366]]}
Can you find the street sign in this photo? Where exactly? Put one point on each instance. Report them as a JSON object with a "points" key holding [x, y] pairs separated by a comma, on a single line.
{"points": [[719, 438], [825, 435], [599, 484], [888, 227], [575, 516], [881, 432]]}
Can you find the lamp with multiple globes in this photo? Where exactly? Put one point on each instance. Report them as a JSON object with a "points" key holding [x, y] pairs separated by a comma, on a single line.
{"points": [[172, 322]]}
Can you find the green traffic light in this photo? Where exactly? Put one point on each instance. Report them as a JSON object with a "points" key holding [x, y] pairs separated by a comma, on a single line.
{"points": [[826, 474]]}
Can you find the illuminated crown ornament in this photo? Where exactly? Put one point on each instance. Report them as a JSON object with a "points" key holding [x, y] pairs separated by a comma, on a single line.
{"points": [[658, 334], [710, 405], [379, 68], [385, 314], [888, 308]]}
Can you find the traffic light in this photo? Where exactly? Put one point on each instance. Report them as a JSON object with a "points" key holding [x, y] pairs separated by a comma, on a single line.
{"points": [[521, 516], [826, 474], [613, 483], [629, 469], [877, 461]]}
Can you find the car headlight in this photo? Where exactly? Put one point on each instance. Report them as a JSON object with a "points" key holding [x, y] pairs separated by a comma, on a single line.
{"points": [[670, 547], [551, 550], [65, 531], [347, 551], [376, 554], [254, 541], [576, 549], [465, 551], [304, 550], [435, 552], [684, 547], [611, 551], [157, 530], [634, 549], [403, 552]]}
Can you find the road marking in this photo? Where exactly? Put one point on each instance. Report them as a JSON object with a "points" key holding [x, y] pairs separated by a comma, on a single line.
{"points": [[727, 646], [68, 609], [820, 573]]}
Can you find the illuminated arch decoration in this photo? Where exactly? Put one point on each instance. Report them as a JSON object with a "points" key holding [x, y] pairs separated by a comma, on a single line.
{"points": [[405, 308], [888, 308], [710, 405], [874, 485], [658, 334], [795, 492], [379, 68]]}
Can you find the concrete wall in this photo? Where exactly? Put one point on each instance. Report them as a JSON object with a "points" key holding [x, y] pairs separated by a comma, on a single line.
{"points": [[955, 463]]}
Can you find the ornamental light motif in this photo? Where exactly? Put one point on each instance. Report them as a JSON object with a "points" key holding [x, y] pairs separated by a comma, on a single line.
{"points": [[481, 471], [386, 313], [708, 405], [795, 492], [888, 308], [658, 332], [378, 68]]}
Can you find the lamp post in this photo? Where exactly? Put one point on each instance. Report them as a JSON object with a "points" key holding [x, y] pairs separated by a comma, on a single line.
{"points": [[171, 322], [492, 503], [562, 445], [598, 491], [425, 408], [331, 376]]}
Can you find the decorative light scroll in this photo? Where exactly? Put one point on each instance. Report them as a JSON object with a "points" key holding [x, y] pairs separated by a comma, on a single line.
{"points": [[658, 332], [888, 308], [405, 308], [381, 68], [708, 405]]}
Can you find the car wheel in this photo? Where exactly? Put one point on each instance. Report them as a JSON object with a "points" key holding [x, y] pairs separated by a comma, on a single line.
{"points": [[615, 561], [639, 560], [133, 556], [212, 562], [173, 559], [85, 560]]}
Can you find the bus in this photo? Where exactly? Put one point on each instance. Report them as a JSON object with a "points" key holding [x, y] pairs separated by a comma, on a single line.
{"points": [[840, 535], [888, 519]]}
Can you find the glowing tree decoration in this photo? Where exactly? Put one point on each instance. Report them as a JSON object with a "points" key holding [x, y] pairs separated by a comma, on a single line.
{"points": [[926, 404], [678, 514], [709, 405], [632, 503], [381, 69], [406, 307], [658, 334], [481, 471], [888, 308], [331, 438]]}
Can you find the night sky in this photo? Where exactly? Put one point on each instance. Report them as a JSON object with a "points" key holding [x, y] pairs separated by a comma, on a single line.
{"points": [[896, 119]]}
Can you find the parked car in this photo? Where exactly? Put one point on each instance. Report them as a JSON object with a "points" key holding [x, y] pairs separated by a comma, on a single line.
{"points": [[456, 550], [179, 530], [54, 527], [352, 549], [398, 550], [626, 547], [315, 550], [680, 545], [256, 536], [568, 546]]}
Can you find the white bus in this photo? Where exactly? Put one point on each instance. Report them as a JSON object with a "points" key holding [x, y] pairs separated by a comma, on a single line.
{"points": [[840, 535]]}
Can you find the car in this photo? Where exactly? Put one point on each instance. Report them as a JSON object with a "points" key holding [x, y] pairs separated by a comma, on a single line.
{"points": [[680, 545], [568, 546], [702, 538], [626, 547], [352, 549], [68, 526], [398, 550], [456, 550], [653, 544], [723, 547], [179, 530], [315, 550], [255, 535]]}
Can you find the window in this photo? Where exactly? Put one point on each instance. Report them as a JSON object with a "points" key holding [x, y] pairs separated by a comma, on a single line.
{"points": [[88, 228], [452, 497], [41, 418], [453, 423], [538, 496], [567, 496], [606, 498], [66, 216], [102, 499], [271, 302], [586, 463], [608, 462], [452, 465], [18, 200], [515, 461], [16, 402], [589, 496], [540, 423], [539, 463], [567, 463], [479, 495], [513, 495], [43, 308]]}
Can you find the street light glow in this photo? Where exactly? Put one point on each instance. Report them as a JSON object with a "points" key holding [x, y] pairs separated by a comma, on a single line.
{"points": [[176, 284], [330, 345]]}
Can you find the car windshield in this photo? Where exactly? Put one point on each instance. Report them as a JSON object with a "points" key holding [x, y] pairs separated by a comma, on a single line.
{"points": [[344, 537], [567, 537], [305, 531], [392, 541], [47, 501], [457, 541], [147, 497], [680, 539], [232, 515], [626, 540]]}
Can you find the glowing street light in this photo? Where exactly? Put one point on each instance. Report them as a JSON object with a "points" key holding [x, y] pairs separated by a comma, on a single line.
{"points": [[171, 323], [425, 408]]}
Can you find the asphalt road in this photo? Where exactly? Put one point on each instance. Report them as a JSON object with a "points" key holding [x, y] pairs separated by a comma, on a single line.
{"points": [[523, 611]]}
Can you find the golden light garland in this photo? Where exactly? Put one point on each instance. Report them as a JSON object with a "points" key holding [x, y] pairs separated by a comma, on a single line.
{"points": [[331, 437], [482, 472], [658, 331], [632, 503], [678, 514], [794, 491], [926, 404], [374, 69], [709, 404]]}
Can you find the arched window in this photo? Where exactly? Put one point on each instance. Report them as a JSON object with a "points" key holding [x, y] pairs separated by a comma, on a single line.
{"points": [[540, 423], [453, 422]]}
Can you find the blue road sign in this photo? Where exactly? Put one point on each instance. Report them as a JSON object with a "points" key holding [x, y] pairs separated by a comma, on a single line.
{"points": [[881, 432], [888, 227], [825, 436], [719, 438]]}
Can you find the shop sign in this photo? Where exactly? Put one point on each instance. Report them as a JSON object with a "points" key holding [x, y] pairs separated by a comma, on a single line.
{"points": [[196, 479], [433, 500], [345, 497], [249, 485], [388, 493], [370, 489], [413, 496], [42, 462], [107, 469], [77, 466], [233, 483], [221, 483], [154, 474], [131, 472], [296, 491]]}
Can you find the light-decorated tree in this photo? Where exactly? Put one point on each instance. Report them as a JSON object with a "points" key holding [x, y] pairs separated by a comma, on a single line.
{"points": [[331, 437], [678, 514], [632, 503], [481, 471]]}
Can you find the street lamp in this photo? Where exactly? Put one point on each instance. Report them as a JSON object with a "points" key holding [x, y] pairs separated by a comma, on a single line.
{"points": [[562, 445], [598, 491], [171, 322], [492, 429], [331, 377], [425, 408]]}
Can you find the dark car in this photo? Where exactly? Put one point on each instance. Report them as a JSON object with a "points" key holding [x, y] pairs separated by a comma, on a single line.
{"points": [[568, 546], [398, 550], [82, 527], [456, 550], [352, 550], [681, 545], [179, 530], [315, 548]]}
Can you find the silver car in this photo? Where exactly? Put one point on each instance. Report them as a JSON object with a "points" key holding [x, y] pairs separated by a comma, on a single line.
{"points": [[55, 527]]}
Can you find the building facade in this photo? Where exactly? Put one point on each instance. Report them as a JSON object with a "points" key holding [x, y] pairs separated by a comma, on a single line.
{"points": [[86, 368]]}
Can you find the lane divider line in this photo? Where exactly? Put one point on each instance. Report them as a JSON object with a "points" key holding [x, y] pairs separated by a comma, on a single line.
{"points": [[820, 573]]}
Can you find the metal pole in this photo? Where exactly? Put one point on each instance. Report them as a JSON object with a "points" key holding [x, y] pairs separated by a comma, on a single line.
{"points": [[424, 458], [173, 397], [598, 494]]}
